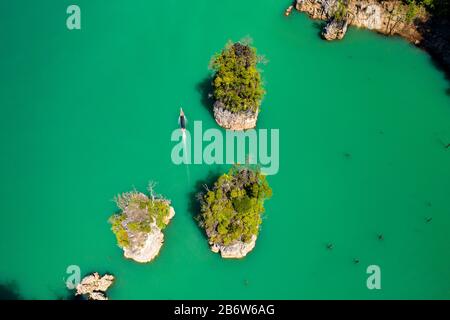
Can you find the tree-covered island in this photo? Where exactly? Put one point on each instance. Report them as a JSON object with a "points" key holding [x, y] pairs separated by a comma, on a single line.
{"points": [[231, 211], [139, 224], [237, 86]]}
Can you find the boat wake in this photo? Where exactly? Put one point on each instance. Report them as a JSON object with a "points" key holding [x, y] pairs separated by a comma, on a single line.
{"points": [[186, 160]]}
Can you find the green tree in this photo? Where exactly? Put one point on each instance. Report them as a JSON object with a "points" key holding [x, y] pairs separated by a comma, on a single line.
{"points": [[237, 81], [232, 210]]}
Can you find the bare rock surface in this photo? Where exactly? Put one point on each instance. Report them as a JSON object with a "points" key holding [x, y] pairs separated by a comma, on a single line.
{"points": [[234, 121], [94, 287], [237, 250]]}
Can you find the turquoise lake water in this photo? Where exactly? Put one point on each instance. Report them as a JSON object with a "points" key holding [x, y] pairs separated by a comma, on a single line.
{"points": [[87, 114]]}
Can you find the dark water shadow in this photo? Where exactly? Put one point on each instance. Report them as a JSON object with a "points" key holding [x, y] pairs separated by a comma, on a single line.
{"points": [[10, 291], [439, 65], [199, 188], [205, 89], [436, 41], [319, 26]]}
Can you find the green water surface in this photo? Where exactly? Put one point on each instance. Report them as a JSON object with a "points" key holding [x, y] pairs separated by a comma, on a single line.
{"points": [[86, 114]]}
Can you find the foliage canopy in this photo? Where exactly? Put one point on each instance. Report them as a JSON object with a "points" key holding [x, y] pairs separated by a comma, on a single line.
{"points": [[237, 81], [232, 210]]}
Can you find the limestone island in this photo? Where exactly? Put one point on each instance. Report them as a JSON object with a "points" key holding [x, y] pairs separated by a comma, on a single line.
{"points": [[94, 287], [231, 212], [139, 225], [237, 86]]}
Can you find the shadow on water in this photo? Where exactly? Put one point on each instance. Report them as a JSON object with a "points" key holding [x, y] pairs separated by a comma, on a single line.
{"points": [[9, 291], [205, 89], [194, 204], [319, 25], [438, 64], [436, 39]]}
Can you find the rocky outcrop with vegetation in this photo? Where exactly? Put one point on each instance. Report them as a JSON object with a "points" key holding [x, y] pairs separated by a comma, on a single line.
{"points": [[237, 86], [138, 227], [231, 212], [422, 22], [94, 287]]}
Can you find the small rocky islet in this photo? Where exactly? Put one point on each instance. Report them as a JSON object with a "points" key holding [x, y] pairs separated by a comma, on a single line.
{"points": [[139, 224], [94, 286], [237, 86], [231, 211]]}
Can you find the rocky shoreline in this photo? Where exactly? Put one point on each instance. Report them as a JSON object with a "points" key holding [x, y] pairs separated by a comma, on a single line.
{"points": [[234, 121], [385, 17], [237, 250]]}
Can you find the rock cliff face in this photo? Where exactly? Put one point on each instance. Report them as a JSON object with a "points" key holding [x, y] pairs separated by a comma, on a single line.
{"points": [[335, 29], [94, 287], [235, 251], [234, 121]]}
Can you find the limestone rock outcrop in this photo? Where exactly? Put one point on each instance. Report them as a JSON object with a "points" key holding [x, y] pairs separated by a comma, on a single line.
{"points": [[335, 29], [237, 250], [94, 287], [234, 121]]}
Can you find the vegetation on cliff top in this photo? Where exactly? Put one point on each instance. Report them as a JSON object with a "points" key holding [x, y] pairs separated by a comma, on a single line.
{"points": [[232, 210], [436, 7], [138, 214], [237, 81], [340, 12]]}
